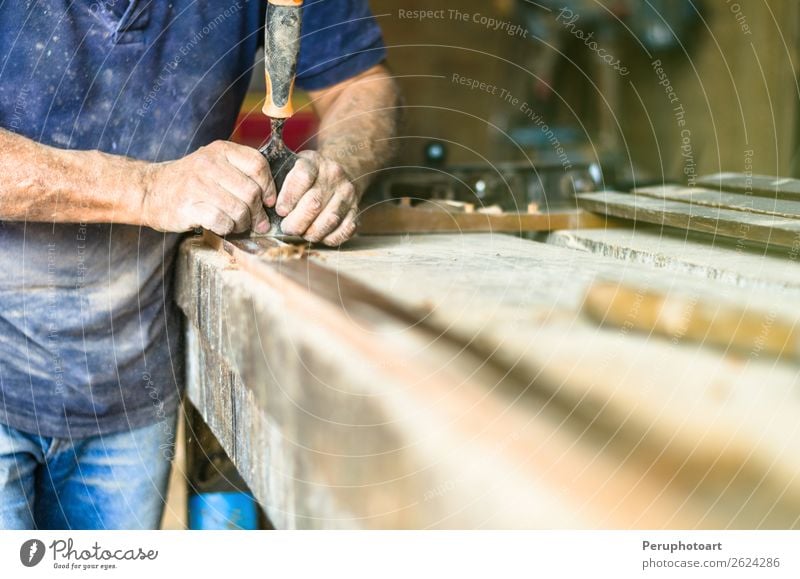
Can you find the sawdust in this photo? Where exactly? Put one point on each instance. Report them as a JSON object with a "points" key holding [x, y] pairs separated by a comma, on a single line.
{"points": [[286, 252]]}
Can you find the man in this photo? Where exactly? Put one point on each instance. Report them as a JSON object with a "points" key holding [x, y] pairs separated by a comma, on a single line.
{"points": [[113, 116]]}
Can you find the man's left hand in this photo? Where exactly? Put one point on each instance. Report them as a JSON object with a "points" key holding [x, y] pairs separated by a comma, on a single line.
{"points": [[318, 201]]}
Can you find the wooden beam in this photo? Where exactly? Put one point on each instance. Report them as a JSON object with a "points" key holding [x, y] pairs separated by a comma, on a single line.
{"points": [[760, 185], [339, 415], [391, 219], [684, 318], [723, 200], [718, 259], [365, 428], [284, 264], [767, 230]]}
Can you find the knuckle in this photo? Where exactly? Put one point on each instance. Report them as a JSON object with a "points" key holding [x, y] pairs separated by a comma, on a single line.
{"points": [[331, 221], [258, 163], [303, 174], [350, 216], [234, 208], [218, 224], [241, 213], [336, 171], [308, 166], [213, 151], [322, 227], [252, 192], [348, 191], [309, 155], [214, 218], [306, 217], [344, 233], [314, 202], [334, 240]]}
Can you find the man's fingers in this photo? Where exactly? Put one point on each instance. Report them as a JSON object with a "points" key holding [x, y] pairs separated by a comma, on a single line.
{"points": [[332, 216], [234, 179], [299, 180], [249, 161], [210, 217], [306, 212], [345, 231], [255, 166], [249, 192], [231, 205]]}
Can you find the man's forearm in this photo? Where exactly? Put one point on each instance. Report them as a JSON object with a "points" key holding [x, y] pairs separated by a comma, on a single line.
{"points": [[359, 123], [45, 184], [222, 187]]}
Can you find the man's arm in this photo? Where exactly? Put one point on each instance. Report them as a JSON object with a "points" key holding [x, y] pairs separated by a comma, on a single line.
{"points": [[221, 187], [319, 200]]}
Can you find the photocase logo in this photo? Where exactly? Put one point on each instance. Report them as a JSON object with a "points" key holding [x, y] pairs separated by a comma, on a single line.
{"points": [[32, 552]]}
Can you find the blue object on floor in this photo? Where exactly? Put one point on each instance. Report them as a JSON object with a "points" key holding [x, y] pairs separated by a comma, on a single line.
{"points": [[223, 511]]}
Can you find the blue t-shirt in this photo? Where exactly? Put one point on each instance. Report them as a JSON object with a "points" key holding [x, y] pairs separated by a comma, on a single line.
{"points": [[89, 336]]}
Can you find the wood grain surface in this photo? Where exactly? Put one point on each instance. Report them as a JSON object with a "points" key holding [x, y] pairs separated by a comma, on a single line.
{"points": [[339, 417], [768, 230]]}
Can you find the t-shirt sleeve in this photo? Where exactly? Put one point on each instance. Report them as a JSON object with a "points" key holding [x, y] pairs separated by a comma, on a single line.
{"points": [[340, 39]]}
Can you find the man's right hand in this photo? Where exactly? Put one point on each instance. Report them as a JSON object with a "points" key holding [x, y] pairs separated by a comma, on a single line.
{"points": [[222, 187]]}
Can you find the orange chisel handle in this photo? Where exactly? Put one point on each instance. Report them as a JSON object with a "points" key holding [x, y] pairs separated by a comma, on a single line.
{"points": [[281, 46]]}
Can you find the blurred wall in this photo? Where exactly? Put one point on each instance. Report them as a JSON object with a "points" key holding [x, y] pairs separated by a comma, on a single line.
{"points": [[734, 76], [425, 54], [737, 84]]}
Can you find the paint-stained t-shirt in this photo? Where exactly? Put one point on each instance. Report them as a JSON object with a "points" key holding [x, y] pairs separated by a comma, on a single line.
{"points": [[89, 335]]}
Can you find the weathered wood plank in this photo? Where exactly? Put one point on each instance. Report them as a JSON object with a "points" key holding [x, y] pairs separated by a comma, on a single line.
{"points": [[391, 219], [697, 254], [762, 185], [765, 229], [532, 324], [329, 436], [477, 278], [618, 412], [710, 398], [723, 200], [672, 315]]}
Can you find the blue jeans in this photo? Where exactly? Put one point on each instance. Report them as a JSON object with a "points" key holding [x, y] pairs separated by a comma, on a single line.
{"points": [[114, 481]]}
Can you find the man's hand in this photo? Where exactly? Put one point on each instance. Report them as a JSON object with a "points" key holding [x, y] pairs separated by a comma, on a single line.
{"points": [[358, 120], [222, 187], [318, 201]]}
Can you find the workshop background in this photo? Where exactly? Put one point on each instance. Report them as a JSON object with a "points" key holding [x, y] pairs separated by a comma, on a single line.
{"points": [[519, 106], [725, 60]]}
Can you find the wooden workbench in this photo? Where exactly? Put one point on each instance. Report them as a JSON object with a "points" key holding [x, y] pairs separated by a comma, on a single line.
{"points": [[540, 419]]}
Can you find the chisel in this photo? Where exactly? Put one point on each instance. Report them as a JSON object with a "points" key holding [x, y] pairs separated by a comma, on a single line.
{"points": [[281, 46]]}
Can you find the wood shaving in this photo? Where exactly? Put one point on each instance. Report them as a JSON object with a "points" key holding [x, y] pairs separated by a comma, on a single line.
{"points": [[286, 252]]}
